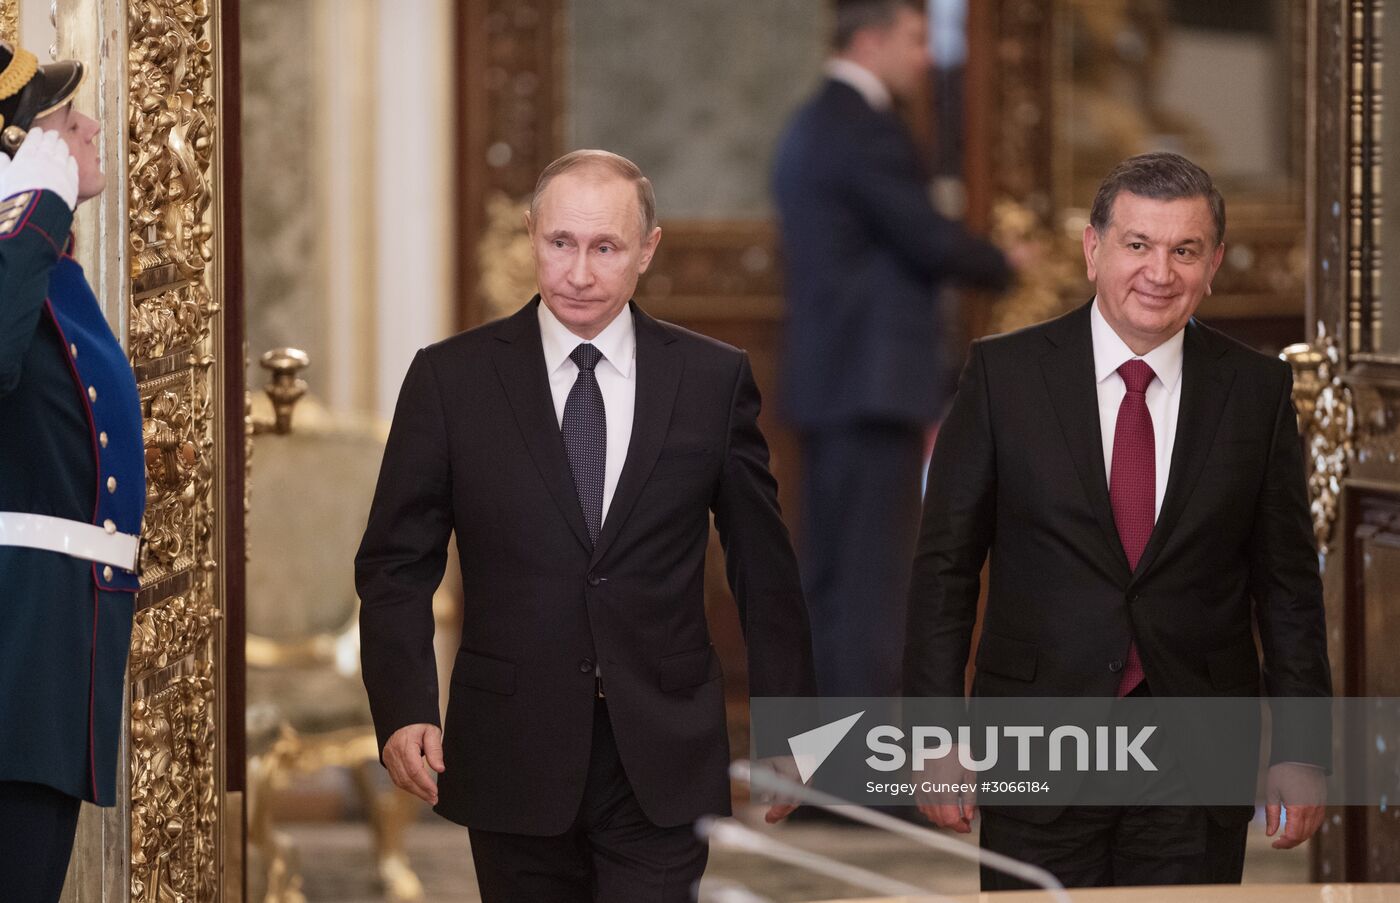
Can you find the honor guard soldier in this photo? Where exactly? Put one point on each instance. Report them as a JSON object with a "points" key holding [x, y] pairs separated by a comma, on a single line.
{"points": [[72, 487]]}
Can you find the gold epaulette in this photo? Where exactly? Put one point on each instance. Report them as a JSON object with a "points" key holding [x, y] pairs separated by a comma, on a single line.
{"points": [[12, 211]]}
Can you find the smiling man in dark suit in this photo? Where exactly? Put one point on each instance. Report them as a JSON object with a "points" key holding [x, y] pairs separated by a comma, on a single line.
{"points": [[577, 449], [1138, 481]]}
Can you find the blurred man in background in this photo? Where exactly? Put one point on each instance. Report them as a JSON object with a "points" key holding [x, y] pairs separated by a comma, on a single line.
{"points": [[865, 254]]}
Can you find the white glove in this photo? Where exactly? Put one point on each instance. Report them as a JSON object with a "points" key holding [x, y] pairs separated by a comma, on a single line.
{"points": [[43, 161]]}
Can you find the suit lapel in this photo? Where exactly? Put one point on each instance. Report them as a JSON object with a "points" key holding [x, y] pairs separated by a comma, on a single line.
{"points": [[1205, 386], [519, 362], [1069, 376], [658, 376]]}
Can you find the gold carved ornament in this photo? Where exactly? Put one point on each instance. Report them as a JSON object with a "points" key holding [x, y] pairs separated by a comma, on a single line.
{"points": [[1049, 287], [173, 755], [9, 21], [1327, 420], [505, 260], [175, 679]]}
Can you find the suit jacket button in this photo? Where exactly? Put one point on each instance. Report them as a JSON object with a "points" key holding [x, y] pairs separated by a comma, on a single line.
{"points": [[593, 580], [585, 665], [1116, 665]]}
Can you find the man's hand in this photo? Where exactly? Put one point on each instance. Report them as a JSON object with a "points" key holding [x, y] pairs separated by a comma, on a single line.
{"points": [[43, 161], [1302, 790], [403, 759], [780, 807], [954, 811]]}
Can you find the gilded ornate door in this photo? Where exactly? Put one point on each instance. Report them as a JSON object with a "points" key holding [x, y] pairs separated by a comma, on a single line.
{"points": [[180, 344], [161, 250], [1348, 394]]}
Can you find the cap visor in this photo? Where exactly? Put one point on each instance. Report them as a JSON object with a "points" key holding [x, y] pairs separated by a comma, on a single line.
{"points": [[56, 83]]}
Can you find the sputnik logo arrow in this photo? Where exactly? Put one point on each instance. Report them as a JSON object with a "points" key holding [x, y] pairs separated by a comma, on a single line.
{"points": [[811, 748]]}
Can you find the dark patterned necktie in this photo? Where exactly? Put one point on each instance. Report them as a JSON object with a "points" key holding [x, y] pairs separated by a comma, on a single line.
{"points": [[1132, 486], [585, 431]]}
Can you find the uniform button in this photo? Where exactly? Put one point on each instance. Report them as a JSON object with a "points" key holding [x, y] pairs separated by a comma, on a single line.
{"points": [[111, 484], [92, 393], [1116, 665], [102, 438], [585, 665], [593, 580], [109, 526], [73, 350], [107, 573]]}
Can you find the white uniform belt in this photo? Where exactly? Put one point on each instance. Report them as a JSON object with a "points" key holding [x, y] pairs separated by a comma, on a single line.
{"points": [[70, 537]]}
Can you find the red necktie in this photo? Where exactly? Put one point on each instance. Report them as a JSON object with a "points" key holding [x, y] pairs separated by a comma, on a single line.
{"points": [[1132, 485]]}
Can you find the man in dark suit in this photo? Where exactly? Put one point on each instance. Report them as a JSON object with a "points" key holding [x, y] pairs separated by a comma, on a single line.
{"points": [[865, 254], [1138, 481], [578, 449]]}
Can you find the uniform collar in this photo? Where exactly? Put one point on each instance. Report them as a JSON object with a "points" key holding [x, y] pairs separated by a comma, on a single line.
{"points": [[617, 342]]}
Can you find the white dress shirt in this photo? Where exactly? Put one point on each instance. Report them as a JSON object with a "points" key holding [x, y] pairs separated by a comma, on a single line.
{"points": [[617, 378], [862, 79], [1163, 393]]}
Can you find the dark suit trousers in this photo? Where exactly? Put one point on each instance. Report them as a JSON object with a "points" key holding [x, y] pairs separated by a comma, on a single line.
{"points": [[611, 854], [1123, 846], [860, 521], [37, 826]]}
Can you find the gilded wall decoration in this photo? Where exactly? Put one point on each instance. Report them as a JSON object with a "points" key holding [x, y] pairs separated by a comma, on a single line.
{"points": [[170, 59], [179, 472], [1024, 100], [169, 633], [1079, 85], [509, 117], [520, 85], [1377, 430], [174, 323], [175, 791], [512, 111], [9, 21], [717, 260], [505, 260], [1326, 419], [169, 320], [1041, 292]]}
